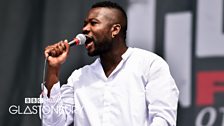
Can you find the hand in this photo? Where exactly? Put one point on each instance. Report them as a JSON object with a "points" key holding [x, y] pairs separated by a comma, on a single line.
{"points": [[56, 54]]}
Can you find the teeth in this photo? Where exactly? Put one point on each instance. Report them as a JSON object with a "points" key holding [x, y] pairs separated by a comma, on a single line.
{"points": [[89, 38]]}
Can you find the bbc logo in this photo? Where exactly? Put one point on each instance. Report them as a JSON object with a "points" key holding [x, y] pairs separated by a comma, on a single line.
{"points": [[33, 100]]}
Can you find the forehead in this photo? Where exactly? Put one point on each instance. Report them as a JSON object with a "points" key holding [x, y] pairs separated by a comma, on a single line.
{"points": [[101, 13]]}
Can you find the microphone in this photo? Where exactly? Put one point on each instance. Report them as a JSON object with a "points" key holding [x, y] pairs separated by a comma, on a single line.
{"points": [[80, 39]]}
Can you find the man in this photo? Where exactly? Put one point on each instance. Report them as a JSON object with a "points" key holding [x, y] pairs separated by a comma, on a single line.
{"points": [[123, 87]]}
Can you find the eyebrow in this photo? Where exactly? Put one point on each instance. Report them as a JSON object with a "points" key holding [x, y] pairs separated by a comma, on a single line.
{"points": [[91, 19]]}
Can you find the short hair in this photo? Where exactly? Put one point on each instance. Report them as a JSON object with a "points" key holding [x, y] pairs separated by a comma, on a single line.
{"points": [[109, 4]]}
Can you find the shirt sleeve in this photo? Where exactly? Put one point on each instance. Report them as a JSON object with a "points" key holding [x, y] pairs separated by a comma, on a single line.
{"points": [[161, 95], [58, 109]]}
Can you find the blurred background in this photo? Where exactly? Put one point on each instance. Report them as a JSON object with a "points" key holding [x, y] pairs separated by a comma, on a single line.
{"points": [[188, 34]]}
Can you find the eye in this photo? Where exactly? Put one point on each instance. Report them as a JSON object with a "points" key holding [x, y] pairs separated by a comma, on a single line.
{"points": [[93, 23]]}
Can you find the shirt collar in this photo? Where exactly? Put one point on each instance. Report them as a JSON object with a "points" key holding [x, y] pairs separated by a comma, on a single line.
{"points": [[124, 56], [127, 53], [97, 67]]}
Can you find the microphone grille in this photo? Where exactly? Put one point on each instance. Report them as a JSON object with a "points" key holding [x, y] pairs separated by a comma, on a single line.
{"points": [[81, 38]]}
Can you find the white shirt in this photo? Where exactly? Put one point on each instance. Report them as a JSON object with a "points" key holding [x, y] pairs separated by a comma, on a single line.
{"points": [[139, 92]]}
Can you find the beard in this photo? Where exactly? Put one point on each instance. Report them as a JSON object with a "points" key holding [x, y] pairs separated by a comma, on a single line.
{"points": [[101, 47]]}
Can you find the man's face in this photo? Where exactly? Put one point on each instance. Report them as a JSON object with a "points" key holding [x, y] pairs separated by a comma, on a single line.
{"points": [[98, 25]]}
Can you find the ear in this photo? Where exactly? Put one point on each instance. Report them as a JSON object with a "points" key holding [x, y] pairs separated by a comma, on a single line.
{"points": [[116, 28]]}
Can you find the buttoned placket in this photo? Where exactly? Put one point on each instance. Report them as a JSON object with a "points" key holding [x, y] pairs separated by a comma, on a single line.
{"points": [[107, 95]]}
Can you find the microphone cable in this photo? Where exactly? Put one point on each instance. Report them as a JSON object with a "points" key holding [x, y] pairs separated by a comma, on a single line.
{"points": [[42, 91]]}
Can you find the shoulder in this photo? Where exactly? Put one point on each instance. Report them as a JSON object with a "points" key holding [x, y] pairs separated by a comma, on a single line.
{"points": [[145, 56], [147, 60]]}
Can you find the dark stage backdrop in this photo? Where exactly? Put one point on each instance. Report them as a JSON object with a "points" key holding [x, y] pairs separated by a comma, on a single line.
{"points": [[187, 33]]}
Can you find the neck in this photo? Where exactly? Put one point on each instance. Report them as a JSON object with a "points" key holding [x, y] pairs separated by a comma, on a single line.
{"points": [[111, 59]]}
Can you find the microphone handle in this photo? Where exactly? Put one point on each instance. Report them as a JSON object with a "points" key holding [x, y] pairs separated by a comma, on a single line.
{"points": [[75, 41]]}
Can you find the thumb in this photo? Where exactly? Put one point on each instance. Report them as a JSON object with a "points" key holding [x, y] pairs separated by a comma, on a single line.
{"points": [[67, 46]]}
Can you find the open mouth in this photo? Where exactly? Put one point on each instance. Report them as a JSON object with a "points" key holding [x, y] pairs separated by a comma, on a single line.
{"points": [[89, 41]]}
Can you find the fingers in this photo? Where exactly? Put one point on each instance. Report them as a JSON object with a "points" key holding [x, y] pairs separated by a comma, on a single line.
{"points": [[56, 49]]}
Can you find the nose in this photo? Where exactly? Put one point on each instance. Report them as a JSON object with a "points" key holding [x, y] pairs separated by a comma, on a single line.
{"points": [[86, 29]]}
